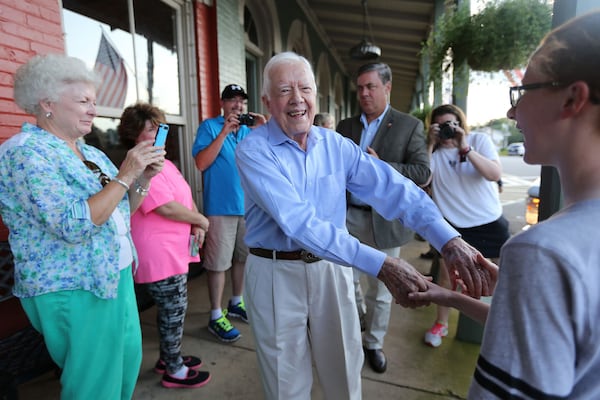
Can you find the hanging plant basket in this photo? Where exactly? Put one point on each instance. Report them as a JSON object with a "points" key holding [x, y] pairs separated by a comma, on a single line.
{"points": [[501, 36]]}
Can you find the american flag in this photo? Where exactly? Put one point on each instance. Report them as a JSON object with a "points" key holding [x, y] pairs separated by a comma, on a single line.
{"points": [[110, 66], [514, 76]]}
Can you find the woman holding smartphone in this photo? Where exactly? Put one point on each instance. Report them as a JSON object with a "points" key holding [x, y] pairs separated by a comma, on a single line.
{"points": [[161, 230]]}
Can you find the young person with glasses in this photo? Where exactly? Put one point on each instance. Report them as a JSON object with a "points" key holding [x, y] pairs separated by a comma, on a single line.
{"points": [[541, 335], [68, 208]]}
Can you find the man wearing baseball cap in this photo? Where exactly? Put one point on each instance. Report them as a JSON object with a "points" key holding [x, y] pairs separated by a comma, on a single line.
{"points": [[223, 198]]}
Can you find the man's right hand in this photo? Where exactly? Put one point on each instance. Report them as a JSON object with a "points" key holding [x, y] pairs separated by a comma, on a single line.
{"points": [[401, 278], [232, 123], [467, 265]]}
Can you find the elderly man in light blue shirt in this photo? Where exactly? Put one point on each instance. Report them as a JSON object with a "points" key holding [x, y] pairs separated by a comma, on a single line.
{"points": [[300, 293]]}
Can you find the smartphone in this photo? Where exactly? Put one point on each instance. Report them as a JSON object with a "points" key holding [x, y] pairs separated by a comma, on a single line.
{"points": [[161, 135], [194, 246]]}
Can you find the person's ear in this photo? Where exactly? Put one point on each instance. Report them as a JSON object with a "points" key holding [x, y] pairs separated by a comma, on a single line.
{"points": [[265, 101], [577, 96], [46, 105]]}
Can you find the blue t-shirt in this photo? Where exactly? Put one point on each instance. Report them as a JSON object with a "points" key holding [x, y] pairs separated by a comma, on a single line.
{"points": [[222, 192]]}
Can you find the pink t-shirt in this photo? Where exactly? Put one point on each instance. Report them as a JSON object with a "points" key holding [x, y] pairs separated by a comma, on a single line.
{"points": [[162, 244]]}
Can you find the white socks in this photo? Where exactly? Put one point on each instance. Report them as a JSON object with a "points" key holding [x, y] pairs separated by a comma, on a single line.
{"points": [[181, 374]]}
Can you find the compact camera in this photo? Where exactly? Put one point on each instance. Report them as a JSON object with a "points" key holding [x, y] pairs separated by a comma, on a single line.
{"points": [[447, 130], [246, 119]]}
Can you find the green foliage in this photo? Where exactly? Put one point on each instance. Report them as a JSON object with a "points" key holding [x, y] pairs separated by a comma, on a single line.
{"points": [[504, 125], [422, 114], [501, 36], [515, 137], [449, 32]]}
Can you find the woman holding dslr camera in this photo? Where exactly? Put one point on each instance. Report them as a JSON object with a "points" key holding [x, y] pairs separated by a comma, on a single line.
{"points": [[465, 169]]}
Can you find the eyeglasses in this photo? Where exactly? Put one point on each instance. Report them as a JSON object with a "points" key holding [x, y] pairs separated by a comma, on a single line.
{"points": [[516, 92], [236, 100], [92, 166]]}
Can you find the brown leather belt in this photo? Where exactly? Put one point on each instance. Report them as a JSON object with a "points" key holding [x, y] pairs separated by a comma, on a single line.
{"points": [[303, 255]]}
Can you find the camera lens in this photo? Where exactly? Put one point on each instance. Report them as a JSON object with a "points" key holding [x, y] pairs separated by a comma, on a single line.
{"points": [[447, 131], [246, 119]]}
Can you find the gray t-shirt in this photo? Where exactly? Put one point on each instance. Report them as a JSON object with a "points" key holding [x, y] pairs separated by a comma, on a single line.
{"points": [[542, 333]]}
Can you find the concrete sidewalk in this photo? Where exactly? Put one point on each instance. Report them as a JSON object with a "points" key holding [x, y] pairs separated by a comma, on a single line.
{"points": [[415, 371]]}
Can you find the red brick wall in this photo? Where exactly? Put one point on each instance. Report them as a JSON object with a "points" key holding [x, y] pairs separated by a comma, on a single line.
{"points": [[27, 28], [208, 61]]}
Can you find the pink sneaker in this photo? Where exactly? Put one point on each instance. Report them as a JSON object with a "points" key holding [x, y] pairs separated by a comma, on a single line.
{"points": [[189, 361], [433, 337], [194, 379]]}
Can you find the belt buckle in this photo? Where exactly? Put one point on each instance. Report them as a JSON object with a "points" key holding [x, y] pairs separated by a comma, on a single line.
{"points": [[308, 257]]}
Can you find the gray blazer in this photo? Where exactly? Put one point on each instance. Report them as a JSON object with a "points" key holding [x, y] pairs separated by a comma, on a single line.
{"points": [[399, 141]]}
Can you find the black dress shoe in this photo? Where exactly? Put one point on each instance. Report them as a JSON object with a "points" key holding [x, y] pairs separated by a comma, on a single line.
{"points": [[376, 358], [363, 323]]}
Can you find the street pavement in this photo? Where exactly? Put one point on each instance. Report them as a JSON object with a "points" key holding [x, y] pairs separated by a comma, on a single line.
{"points": [[415, 371]]}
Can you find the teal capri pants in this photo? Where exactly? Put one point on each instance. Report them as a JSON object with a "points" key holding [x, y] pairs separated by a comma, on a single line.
{"points": [[96, 342]]}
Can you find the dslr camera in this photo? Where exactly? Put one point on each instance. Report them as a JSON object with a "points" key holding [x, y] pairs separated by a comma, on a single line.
{"points": [[447, 130], [246, 119]]}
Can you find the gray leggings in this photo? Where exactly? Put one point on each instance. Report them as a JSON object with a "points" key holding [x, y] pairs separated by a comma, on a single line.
{"points": [[170, 296]]}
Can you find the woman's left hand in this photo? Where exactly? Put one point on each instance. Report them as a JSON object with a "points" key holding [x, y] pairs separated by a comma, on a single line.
{"points": [[460, 138], [199, 233]]}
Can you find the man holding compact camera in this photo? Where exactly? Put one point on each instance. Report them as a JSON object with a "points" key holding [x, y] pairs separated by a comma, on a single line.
{"points": [[223, 199]]}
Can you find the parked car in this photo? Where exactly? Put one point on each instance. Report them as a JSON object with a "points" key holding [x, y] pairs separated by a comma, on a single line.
{"points": [[516, 149], [532, 204]]}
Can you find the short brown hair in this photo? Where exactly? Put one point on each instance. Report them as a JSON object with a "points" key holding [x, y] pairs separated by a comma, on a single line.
{"points": [[450, 109], [571, 52], [133, 121]]}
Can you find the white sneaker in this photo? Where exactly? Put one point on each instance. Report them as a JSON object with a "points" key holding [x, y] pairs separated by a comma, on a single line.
{"points": [[433, 337]]}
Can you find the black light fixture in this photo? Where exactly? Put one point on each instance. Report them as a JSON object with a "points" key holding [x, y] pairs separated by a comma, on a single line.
{"points": [[365, 50]]}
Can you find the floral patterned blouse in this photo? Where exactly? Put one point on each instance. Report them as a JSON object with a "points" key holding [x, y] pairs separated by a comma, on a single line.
{"points": [[44, 188]]}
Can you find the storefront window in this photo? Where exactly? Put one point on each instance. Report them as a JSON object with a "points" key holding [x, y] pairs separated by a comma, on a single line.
{"points": [[99, 33], [153, 69]]}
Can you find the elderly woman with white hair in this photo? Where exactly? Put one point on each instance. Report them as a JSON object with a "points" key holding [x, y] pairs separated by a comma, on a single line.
{"points": [[68, 208]]}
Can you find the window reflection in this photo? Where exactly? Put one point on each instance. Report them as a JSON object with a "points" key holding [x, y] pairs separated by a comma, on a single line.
{"points": [[105, 137], [153, 70]]}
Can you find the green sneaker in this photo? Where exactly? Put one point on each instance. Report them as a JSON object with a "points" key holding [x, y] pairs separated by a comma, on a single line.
{"points": [[223, 329]]}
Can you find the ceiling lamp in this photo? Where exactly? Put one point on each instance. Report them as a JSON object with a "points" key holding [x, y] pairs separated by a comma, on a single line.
{"points": [[365, 50]]}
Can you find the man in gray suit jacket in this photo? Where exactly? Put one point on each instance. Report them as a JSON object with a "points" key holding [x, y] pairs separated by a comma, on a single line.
{"points": [[398, 139]]}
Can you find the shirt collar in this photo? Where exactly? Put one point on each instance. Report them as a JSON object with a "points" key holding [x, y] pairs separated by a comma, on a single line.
{"points": [[377, 121], [277, 136]]}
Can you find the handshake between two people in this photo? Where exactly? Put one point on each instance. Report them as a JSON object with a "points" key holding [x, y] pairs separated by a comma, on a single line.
{"points": [[467, 267]]}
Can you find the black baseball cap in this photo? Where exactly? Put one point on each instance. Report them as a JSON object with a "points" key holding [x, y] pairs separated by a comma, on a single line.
{"points": [[232, 91]]}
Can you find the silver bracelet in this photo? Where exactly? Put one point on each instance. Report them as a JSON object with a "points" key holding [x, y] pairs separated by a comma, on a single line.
{"points": [[120, 182], [142, 191]]}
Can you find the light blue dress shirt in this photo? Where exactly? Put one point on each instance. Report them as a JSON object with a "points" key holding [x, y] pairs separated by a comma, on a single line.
{"points": [[366, 138], [296, 199], [370, 129]]}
